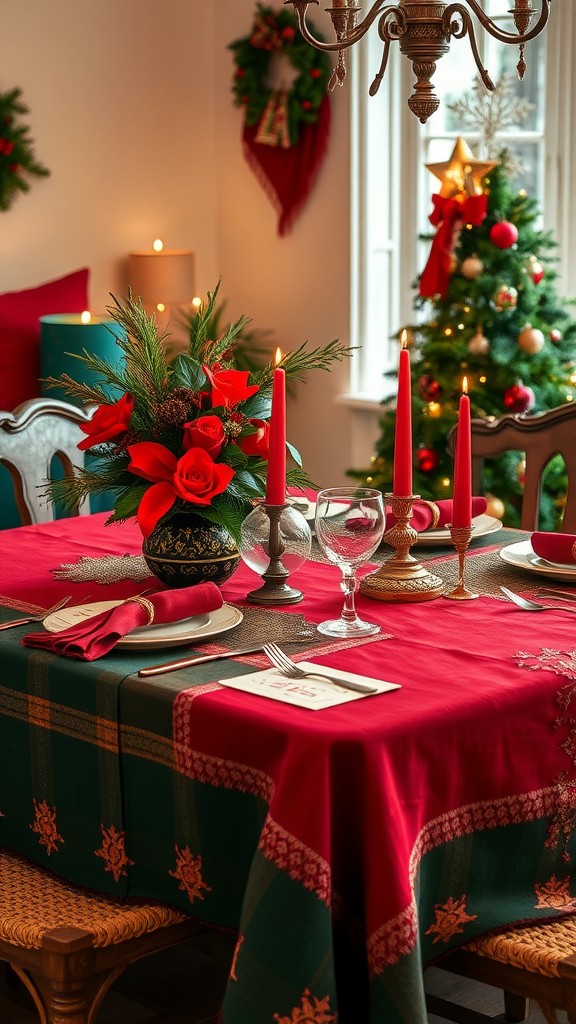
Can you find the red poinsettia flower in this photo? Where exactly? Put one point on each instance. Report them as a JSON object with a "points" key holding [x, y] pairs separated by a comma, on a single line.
{"points": [[107, 422], [206, 432], [230, 386], [194, 477], [257, 443]]}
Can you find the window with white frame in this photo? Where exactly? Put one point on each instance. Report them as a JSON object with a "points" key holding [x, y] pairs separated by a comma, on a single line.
{"points": [[391, 189]]}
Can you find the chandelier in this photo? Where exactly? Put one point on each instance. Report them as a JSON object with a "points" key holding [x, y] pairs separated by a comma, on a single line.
{"points": [[423, 29]]}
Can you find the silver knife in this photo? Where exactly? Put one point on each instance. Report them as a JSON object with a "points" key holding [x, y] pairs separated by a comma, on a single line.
{"points": [[201, 659], [561, 594]]}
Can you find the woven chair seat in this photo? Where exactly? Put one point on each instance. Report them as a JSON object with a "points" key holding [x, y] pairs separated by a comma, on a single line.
{"points": [[537, 948], [32, 902]]}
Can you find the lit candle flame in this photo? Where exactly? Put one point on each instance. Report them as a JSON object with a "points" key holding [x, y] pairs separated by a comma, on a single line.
{"points": [[278, 357], [404, 338], [158, 245], [85, 316], [197, 302], [160, 306], [465, 385]]}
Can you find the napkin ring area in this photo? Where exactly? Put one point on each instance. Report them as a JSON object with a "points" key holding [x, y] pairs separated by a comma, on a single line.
{"points": [[146, 604], [434, 510]]}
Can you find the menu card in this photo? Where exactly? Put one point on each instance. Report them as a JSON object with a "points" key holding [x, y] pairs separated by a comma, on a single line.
{"points": [[309, 693]]}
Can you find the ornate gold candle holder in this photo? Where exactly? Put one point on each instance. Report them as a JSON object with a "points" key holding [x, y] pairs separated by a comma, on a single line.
{"points": [[263, 543], [461, 538], [402, 577]]}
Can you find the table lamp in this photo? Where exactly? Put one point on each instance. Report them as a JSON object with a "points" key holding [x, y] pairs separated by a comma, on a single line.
{"points": [[161, 277]]}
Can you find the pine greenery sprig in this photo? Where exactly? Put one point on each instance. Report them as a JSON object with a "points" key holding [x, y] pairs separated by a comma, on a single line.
{"points": [[17, 158]]}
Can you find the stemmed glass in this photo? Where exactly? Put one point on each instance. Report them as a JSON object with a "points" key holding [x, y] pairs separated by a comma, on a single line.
{"points": [[349, 526]]}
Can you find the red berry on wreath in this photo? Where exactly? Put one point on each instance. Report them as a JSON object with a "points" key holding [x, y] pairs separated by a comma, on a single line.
{"points": [[428, 459], [519, 398], [315, 73], [504, 234], [306, 104], [430, 389], [288, 33]]}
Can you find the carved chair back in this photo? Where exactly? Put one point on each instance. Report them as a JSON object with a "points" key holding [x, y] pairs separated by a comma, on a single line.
{"points": [[541, 437], [30, 437]]}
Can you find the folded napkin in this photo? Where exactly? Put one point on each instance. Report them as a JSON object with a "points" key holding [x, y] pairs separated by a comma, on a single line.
{"points": [[555, 547], [93, 637], [425, 512]]}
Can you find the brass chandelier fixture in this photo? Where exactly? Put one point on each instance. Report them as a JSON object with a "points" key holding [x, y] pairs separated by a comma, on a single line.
{"points": [[423, 29]]}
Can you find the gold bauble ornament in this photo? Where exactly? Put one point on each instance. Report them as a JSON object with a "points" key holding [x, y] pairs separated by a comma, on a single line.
{"points": [[471, 267], [531, 340], [478, 344], [494, 507], [461, 173]]}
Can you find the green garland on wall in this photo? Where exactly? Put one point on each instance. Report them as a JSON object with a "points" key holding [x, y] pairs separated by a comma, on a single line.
{"points": [[17, 160], [277, 32]]}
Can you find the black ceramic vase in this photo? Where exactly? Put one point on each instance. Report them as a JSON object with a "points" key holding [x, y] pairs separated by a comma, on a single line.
{"points": [[184, 549]]}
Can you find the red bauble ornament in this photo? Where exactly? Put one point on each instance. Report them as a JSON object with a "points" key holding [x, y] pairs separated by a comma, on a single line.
{"points": [[519, 398], [430, 389], [536, 271], [556, 336], [504, 234], [428, 460]]}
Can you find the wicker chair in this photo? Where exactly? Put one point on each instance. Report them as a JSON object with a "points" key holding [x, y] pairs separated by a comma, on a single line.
{"points": [[68, 945], [536, 962], [541, 437], [30, 437]]}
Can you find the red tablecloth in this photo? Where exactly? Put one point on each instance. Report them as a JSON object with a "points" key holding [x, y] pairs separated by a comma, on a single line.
{"points": [[416, 819]]}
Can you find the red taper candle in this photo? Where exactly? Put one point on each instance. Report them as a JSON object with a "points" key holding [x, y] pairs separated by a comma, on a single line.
{"points": [[462, 494], [403, 434], [276, 477]]}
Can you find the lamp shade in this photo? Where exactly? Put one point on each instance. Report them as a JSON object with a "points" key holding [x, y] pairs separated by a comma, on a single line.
{"points": [[166, 276]]}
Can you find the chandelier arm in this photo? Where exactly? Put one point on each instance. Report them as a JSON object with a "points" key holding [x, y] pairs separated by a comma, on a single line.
{"points": [[458, 31], [387, 33], [301, 7], [509, 37]]}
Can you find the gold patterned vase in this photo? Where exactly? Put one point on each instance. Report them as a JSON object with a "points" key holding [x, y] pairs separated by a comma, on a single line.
{"points": [[184, 549]]}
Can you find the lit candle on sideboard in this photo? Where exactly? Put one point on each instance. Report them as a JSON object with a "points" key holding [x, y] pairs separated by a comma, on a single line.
{"points": [[63, 335], [276, 476], [462, 496], [402, 485]]}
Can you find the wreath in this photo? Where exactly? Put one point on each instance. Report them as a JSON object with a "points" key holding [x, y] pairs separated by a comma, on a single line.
{"points": [[16, 151], [278, 113]]}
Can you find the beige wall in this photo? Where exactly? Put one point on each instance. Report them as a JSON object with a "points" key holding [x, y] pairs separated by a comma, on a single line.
{"points": [[130, 108]]}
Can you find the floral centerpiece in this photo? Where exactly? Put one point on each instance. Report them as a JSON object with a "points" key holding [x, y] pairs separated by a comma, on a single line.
{"points": [[188, 436]]}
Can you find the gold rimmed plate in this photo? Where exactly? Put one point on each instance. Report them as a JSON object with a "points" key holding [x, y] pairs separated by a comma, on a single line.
{"points": [[157, 636], [481, 527], [523, 556]]}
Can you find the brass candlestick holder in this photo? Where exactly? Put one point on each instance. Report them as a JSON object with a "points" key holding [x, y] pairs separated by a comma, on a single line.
{"points": [[461, 538], [402, 577], [269, 533]]}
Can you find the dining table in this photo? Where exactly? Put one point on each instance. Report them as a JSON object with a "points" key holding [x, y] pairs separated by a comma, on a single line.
{"points": [[347, 847]]}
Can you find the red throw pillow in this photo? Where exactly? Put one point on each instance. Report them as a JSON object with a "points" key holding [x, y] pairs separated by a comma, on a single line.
{"points": [[20, 332]]}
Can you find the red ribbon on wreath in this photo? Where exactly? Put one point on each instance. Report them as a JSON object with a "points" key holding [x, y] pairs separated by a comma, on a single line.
{"points": [[447, 212]]}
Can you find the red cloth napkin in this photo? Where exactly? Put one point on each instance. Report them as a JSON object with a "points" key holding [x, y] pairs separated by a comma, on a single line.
{"points": [[422, 514], [555, 547], [94, 637]]}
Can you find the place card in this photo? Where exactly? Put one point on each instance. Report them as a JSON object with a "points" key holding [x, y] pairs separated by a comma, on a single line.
{"points": [[309, 693]]}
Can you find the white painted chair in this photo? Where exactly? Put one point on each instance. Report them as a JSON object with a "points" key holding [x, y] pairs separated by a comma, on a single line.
{"points": [[30, 437]]}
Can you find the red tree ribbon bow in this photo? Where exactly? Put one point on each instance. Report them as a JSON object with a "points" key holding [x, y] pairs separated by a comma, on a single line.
{"points": [[447, 212]]}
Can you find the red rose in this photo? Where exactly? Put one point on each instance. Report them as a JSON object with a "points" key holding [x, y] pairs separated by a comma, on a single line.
{"points": [[107, 422], [258, 443], [229, 387], [194, 478], [205, 432]]}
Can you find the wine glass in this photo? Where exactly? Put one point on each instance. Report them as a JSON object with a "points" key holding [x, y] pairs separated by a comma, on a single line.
{"points": [[349, 525]]}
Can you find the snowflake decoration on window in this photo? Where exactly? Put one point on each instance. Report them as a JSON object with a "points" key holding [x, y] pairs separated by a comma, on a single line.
{"points": [[489, 113]]}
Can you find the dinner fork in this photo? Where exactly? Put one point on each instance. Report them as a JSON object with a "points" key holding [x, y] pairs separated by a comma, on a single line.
{"points": [[36, 618], [534, 606], [289, 668]]}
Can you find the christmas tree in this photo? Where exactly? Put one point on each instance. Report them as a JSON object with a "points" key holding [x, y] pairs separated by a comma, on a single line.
{"points": [[490, 312]]}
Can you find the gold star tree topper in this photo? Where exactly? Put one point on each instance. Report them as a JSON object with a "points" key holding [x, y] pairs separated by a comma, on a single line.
{"points": [[461, 173]]}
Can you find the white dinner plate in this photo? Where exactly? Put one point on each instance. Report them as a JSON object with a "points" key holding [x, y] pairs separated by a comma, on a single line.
{"points": [[149, 638], [481, 526], [522, 556]]}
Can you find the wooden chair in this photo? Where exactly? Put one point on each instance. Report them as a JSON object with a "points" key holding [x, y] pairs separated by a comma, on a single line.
{"points": [[536, 962], [30, 437], [541, 437], [68, 945]]}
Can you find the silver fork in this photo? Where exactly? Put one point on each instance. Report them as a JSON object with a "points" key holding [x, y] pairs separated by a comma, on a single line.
{"points": [[289, 668], [534, 606], [36, 618]]}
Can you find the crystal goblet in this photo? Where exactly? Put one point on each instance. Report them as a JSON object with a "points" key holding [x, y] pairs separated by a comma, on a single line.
{"points": [[349, 526]]}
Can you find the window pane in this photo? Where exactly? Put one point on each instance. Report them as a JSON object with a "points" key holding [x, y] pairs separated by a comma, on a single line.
{"points": [[502, 59]]}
